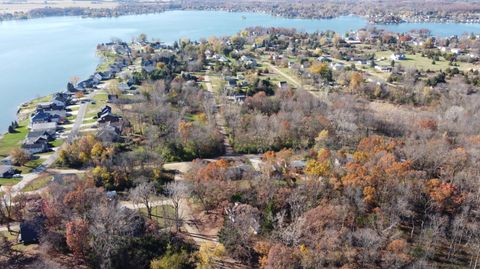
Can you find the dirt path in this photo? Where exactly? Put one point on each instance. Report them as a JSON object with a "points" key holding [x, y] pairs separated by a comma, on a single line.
{"points": [[220, 120], [285, 75]]}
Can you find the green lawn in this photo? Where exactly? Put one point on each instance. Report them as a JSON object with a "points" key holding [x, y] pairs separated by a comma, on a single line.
{"points": [[33, 103], [10, 141], [164, 214], [38, 183], [8, 181], [100, 101], [57, 142], [29, 166], [108, 59], [89, 121], [420, 62], [71, 118], [75, 108], [13, 238]]}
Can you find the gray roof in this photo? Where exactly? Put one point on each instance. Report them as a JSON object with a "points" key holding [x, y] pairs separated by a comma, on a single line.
{"points": [[5, 168], [44, 126]]}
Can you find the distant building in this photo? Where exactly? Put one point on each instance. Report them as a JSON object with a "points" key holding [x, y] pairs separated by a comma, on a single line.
{"points": [[398, 57], [283, 85], [384, 68], [337, 66]]}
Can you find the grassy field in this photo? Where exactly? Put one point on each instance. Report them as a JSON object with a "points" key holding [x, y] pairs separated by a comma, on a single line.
{"points": [[164, 215], [86, 121], [38, 183], [8, 181], [100, 101], [108, 59], [10, 141], [420, 62], [16, 246], [29, 166], [33, 103], [57, 142]]}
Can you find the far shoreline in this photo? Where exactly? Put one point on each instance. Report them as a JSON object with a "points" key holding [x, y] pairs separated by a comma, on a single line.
{"points": [[26, 16]]}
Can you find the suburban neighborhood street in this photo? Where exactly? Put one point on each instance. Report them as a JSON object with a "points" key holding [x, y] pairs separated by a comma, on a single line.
{"points": [[28, 178]]}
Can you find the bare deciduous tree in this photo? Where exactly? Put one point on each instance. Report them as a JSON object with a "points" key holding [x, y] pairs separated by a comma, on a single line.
{"points": [[143, 194], [177, 191]]}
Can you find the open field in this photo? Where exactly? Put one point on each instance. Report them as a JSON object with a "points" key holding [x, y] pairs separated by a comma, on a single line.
{"points": [[38, 183], [25, 6], [163, 214], [8, 181], [420, 62], [10, 141]]}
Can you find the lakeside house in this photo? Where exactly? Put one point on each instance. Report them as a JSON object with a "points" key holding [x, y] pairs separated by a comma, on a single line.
{"points": [[38, 145], [50, 127], [37, 142], [7, 171]]}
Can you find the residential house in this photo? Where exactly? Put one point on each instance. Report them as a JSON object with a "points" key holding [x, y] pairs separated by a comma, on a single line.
{"points": [[110, 119], [398, 57], [148, 66], [456, 51], [324, 59], [49, 127], [37, 142], [248, 62], [105, 110], [40, 134], [231, 83], [384, 68], [85, 84], [353, 41], [220, 58], [7, 171], [39, 117], [112, 98], [237, 98], [37, 145], [63, 97], [283, 85], [52, 105], [337, 66], [108, 133]]}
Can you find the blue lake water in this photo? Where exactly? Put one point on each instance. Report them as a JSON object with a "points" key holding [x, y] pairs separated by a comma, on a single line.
{"points": [[37, 57]]}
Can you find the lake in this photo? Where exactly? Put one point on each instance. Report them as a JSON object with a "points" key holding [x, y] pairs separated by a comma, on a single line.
{"points": [[37, 57]]}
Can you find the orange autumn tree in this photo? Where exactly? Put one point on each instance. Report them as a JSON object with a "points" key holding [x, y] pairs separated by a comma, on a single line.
{"points": [[375, 166], [77, 237], [445, 196], [211, 184]]}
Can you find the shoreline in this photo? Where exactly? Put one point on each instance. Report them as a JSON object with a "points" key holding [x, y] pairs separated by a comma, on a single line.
{"points": [[114, 13]]}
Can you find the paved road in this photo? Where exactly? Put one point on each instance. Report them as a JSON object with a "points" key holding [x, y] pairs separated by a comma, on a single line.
{"points": [[27, 178], [78, 121]]}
